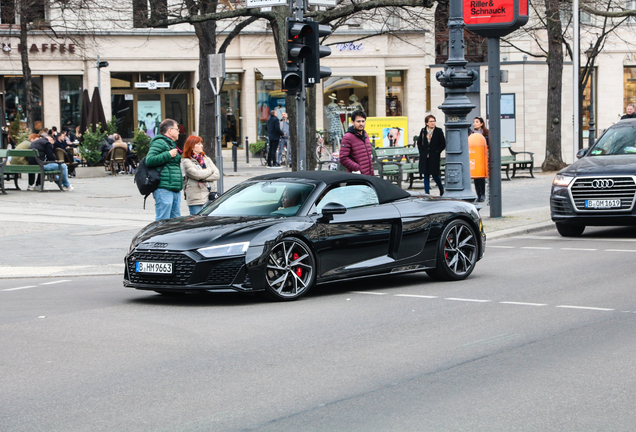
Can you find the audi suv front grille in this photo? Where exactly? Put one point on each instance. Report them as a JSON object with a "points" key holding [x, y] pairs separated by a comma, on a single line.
{"points": [[604, 188]]}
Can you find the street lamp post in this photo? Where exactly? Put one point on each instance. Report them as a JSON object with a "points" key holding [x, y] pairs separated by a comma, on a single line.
{"points": [[591, 129], [456, 79]]}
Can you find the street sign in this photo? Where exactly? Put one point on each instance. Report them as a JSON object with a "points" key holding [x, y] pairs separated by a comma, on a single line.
{"points": [[494, 18], [152, 85], [328, 3], [264, 3]]}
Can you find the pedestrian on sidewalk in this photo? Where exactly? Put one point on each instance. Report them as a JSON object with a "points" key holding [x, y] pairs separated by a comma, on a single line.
{"points": [[164, 156], [479, 126], [356, 154], [629, 110], [273, 133], [199, 174], [284, 139], [431, 143]]}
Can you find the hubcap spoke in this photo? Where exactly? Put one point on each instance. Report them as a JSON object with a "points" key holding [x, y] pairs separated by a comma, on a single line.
{"points": [[287, 276]]}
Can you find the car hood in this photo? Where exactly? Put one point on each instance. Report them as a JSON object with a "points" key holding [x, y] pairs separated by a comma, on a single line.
{"points": [[603, 166], [193, 232]]}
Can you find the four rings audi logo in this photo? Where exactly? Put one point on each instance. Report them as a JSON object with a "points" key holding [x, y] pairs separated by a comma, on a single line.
{"points": [[603, 183]]}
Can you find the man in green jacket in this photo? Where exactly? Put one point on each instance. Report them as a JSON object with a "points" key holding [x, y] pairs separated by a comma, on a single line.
{"points": [[164, 155]]}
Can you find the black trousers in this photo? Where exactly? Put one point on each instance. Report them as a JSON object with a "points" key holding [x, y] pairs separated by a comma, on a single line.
{"points": [[480, 187], [271, 155]]}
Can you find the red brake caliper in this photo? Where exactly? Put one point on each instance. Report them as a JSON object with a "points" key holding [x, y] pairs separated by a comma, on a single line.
{"points": [[299, 271]]}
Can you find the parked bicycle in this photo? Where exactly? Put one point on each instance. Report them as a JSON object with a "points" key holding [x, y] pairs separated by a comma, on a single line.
{"points": [[323, 153]]}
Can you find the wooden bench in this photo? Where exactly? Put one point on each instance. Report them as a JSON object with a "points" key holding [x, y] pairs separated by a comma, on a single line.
{"points": [[12, 172], [518, 160], [393, 163]]}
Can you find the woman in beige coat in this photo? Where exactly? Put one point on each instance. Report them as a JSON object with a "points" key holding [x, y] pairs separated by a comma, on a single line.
{"points": [[199, 174]]}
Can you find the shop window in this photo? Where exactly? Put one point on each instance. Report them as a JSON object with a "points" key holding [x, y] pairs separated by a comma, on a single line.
{"points": [[231, 109], [70, 101], [629, 86], [342, 96], [179, 81], [149, 76], [119, 80], [16, 98], [7, 11], [394, 93], [268, 97], [122, 108]]}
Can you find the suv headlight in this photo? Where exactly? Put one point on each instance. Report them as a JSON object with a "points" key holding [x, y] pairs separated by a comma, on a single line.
{"points": [[224, 250], [562, 180]]}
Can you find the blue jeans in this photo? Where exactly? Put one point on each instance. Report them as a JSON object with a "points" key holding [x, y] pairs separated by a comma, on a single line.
{"points": [[63, 168], [195, 209], [281, 147], [167, 204], [427, 181]]}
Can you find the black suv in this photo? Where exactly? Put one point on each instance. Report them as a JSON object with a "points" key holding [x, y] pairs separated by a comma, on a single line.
{"points": [[599, 188]]}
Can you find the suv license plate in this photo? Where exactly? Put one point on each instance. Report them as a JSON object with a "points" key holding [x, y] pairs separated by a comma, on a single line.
{"points": [[602, 203], [153, 267]]}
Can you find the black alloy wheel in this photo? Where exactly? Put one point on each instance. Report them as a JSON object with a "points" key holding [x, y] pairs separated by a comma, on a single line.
{"points": [[457, 252], [291, 270], [570, 230]]}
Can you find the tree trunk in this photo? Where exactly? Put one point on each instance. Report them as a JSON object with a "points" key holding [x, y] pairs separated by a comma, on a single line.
{"points": [[26, 72], [553, 160], [206, 33]]}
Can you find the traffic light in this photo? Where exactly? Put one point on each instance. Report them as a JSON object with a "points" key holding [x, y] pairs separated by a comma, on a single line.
{"points": [[313, 71], [297, 50]]}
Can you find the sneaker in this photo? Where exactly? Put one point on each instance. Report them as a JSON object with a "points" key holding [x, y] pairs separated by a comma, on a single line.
{"points": [[276, 167], [31, 187], [122, 172], [67, 188]]}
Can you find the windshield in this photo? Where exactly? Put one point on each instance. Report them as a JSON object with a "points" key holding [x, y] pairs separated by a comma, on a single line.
{"points": [[263, 198], [616, 141]]}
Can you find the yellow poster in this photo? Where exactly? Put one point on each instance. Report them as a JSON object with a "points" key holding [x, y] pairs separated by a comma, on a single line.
{"points": [[387, 131]]}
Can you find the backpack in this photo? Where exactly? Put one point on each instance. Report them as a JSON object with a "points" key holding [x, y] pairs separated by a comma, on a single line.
{"points": [[147, 179]]}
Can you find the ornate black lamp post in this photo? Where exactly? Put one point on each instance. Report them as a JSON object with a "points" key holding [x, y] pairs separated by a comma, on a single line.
{"points": [[591, 129], [456, 79]]}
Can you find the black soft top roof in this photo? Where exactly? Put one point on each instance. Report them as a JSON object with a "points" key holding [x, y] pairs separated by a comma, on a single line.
{"points": [[387, 192]]}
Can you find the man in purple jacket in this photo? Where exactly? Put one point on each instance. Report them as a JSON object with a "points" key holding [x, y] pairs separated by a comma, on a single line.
{"points": [[355, 148]]}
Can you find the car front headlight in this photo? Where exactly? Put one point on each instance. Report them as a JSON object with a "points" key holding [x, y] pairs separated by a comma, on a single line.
{"points": [[224, 250], [562, 180]]}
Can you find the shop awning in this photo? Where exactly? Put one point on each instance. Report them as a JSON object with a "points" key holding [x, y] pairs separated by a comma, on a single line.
{"points": [[274, 73]]}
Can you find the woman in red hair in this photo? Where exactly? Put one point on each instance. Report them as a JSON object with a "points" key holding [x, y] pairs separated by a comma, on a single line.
{"points": [[199, 174]]}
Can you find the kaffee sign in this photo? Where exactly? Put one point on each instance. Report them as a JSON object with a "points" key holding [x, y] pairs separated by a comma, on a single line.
{"points": [[495, 18]]}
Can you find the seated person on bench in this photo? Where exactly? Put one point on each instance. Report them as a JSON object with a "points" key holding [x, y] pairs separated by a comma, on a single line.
{"points": [[291, 200]]}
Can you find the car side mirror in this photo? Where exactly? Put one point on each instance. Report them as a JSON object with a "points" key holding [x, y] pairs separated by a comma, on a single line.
{"points": [[581, 153], [331, 209]]}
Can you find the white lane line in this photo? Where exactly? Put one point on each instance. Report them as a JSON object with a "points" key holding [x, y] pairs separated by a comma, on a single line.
{"points": [[417, 296], [570, 239], [584, 307], [536, 247], [368, 292], [19, 288], [55, 282], [467, 300], [523, 304], [501, 247], [578, 249], [620, 250]]}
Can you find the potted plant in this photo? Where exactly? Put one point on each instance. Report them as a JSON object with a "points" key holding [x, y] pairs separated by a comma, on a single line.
{"points": [[257, 147], [90, 145], [141, 144]]}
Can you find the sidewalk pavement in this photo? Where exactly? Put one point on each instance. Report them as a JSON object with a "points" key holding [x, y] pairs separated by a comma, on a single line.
{"points": [[88, 231]]}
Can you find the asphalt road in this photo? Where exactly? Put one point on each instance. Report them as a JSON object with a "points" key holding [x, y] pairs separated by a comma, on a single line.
{"points": [[539, 338]]}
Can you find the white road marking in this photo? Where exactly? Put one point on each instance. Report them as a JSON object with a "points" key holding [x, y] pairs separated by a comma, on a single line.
{"points": [[467, 300], [501, 247], [570, 239], [368, 292], [620, 250], [578, 249], [523, 304], [584, 307], [55, 282], [19, 288], [417, 296], [536, 247]]}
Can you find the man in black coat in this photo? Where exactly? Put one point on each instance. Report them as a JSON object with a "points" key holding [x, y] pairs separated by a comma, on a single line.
{"points": [[273, 133], [629, 109]]}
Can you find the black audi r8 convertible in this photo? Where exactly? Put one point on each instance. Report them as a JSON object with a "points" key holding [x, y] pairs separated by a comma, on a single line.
{"points": [[283, 233]]}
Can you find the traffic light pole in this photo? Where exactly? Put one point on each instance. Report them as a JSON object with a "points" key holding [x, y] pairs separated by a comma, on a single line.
{"points": [[301, 148]]}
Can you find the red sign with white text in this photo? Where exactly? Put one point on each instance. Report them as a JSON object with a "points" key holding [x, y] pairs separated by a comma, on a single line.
{"points": [[489, 12]]}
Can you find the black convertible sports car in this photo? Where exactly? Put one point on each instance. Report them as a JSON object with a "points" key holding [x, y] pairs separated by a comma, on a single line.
{"points": [[283, 233]]}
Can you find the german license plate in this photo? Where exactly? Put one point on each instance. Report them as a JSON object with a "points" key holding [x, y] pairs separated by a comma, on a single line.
{"points": [[599, 204], [153, 267]]}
